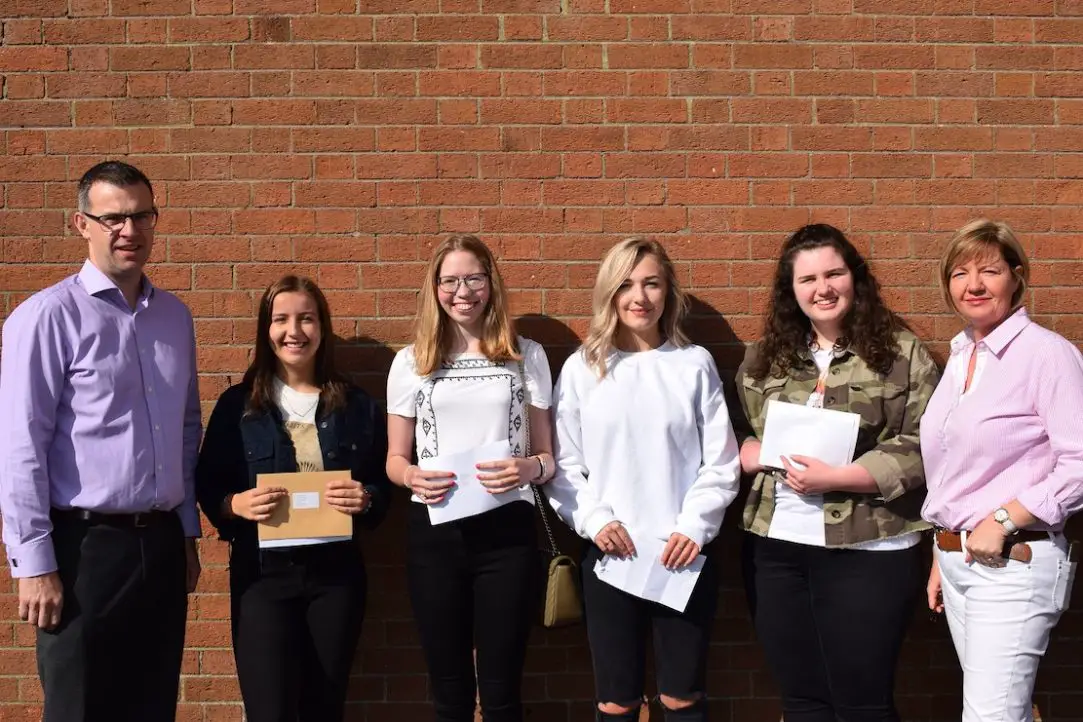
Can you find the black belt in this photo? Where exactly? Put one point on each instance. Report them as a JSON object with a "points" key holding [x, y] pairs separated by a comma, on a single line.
{"points": [[135, 520]]}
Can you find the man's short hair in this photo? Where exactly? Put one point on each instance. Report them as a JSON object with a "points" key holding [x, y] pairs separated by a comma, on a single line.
{"points": [[115, 173]]}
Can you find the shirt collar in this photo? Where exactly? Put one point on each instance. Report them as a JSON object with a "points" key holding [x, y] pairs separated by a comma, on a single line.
{"points": [[1001, 336], [95, 282]]}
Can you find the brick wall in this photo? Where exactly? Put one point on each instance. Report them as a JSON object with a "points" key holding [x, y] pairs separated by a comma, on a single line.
{"points": [[340, 138]]}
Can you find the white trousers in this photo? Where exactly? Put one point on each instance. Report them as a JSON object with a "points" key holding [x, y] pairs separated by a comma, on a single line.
{"points": [[1000, 621]]}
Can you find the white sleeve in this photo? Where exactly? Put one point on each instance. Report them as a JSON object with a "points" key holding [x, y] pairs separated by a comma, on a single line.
{"points": [[719, 477], [539, 380], [570, 492], [403, 384]]}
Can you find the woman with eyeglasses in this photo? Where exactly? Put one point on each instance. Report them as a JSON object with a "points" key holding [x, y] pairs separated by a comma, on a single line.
{"points": [[466, 382]]}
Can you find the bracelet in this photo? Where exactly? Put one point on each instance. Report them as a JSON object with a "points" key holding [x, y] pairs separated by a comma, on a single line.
{"points": [[541, 467], [405, 475]]}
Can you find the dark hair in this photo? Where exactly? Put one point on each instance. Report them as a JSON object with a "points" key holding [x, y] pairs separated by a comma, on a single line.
{"points": [[868, 329], [261, 374], [113, 172]]}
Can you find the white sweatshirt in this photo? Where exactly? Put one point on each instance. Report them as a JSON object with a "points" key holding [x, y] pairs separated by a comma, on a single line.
{"points": [[650, 445]]}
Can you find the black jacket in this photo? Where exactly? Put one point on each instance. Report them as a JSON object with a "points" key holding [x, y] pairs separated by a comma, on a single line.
{"points": [[237, 447]]}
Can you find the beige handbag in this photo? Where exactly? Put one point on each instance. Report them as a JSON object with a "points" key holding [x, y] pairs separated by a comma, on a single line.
{"points": [[563, 605]]}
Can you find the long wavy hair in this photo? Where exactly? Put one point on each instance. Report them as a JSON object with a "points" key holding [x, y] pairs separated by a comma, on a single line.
{"points": [[616, 267], [433, 336], [262, 372], [869, 329]]}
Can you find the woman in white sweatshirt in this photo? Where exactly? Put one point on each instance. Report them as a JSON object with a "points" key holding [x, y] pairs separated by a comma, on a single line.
{"points": [[644, 451]]}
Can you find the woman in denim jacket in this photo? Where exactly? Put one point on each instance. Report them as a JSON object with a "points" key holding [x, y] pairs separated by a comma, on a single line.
{"points": [[296, 609]]}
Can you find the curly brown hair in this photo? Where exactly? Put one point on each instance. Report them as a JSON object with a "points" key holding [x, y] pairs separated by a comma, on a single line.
{"points": [[869, 329]]}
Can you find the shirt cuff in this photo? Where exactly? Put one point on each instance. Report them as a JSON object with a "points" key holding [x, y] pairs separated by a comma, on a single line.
{"points": [[884, 472], [189, 517], [32, 559], [596, 521], [1042, 505], [696, 534]]}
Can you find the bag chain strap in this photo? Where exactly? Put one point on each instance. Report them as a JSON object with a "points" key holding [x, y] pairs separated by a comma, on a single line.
{"points": [[539, 498]]}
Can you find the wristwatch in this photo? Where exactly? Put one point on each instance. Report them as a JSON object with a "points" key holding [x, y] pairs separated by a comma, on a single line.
{"points": [[1002, 517]]}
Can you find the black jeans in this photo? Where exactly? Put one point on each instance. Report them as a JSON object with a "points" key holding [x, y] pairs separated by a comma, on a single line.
{"points": [[474, 583], [618, 625], [832, 622], [116, 655], [297, 617]]}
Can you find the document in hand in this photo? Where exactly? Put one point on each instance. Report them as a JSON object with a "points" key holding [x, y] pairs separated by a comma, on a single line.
{"points": [[304, 516], [644, 576], [468, 497], [824, 434]]}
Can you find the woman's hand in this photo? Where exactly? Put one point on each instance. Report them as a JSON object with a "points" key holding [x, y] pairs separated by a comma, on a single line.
{"points": [[349, 497], [750, 456], [508, 474], [613, 539], [680, 551], [933, 589], [257, 504], [429, 486], [985, 545], [815, 478]]}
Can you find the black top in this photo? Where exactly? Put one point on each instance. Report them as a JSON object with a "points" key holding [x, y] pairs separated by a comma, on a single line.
{"points": [[237, 447]]}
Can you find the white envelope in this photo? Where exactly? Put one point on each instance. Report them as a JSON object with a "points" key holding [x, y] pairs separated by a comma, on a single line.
{"points": [[468, 497], [824, 434], [644, 576]]}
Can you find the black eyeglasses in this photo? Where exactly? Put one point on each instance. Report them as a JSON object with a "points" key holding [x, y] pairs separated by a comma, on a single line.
{"points": [[143, 220], [475, 282]]}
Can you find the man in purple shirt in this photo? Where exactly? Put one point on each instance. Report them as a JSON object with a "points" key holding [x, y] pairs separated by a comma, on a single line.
{"points": [[98, 442]]}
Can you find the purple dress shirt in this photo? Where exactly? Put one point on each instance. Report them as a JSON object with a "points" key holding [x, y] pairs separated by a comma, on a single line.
{"points": [[100, 410]]}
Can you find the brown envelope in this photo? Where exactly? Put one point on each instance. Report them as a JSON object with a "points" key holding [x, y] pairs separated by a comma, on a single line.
{"points": [[304, 513]]}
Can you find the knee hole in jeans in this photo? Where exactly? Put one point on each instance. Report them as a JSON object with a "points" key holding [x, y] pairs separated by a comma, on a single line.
{"points": [[679, 703], [618, 708]]}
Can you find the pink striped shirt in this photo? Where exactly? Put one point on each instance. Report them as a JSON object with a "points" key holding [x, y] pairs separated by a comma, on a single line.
{"points": [[1017, 434]]}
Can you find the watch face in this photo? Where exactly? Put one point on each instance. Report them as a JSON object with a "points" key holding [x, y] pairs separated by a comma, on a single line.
{"points": [[1000, 515]]}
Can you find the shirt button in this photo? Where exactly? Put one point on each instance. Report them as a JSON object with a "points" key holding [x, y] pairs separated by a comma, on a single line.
{"points": [[836, 514], [323, 425], [830, 399], [835, 371], [157, 427], [330, 454], [150, 389], [159, 467]]}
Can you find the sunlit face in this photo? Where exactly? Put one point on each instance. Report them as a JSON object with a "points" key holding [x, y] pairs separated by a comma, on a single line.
{"points": [[823, 285], [463, 288], [982, 289], [120, 254], [295, 332], [641, 299]]}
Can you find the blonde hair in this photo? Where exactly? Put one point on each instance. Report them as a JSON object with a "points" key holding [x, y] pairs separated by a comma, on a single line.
{"points": [[981, 239], [432, 339], [616, 267]]}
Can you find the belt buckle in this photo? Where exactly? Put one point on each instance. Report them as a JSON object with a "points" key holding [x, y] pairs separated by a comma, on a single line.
{"points": [[140, 519]]}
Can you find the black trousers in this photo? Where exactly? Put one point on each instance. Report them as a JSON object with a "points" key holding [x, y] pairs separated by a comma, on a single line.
{"points": [[475, 583], [619, 624], [297, 617], [116, 655], [832, 623]]}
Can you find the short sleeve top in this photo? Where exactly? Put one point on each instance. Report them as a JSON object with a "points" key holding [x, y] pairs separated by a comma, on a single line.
{"points": [[469, 401]]}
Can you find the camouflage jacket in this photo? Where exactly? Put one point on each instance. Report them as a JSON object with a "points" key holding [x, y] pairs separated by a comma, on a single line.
{"points": [[887, 441]]}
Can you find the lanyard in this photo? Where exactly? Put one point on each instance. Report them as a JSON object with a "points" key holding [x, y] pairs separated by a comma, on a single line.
{"points": [[816, 399]]}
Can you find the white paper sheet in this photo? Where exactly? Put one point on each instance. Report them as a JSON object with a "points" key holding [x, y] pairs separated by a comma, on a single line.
{"points": [[305, 499], [468, 497], [644, 576], [824, 434]]}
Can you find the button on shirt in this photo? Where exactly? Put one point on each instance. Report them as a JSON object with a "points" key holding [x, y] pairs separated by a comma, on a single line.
{"points": [[1016, 435], [100, 410]]}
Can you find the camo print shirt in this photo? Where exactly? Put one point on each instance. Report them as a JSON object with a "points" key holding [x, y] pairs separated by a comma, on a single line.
{"points": [[887, 442]]}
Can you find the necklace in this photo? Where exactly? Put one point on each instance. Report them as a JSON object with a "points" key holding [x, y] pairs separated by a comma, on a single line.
{"points": [[286, 390]]}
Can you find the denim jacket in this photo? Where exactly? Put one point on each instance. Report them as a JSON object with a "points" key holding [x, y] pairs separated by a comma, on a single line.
{"points": [[237, 447]]}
